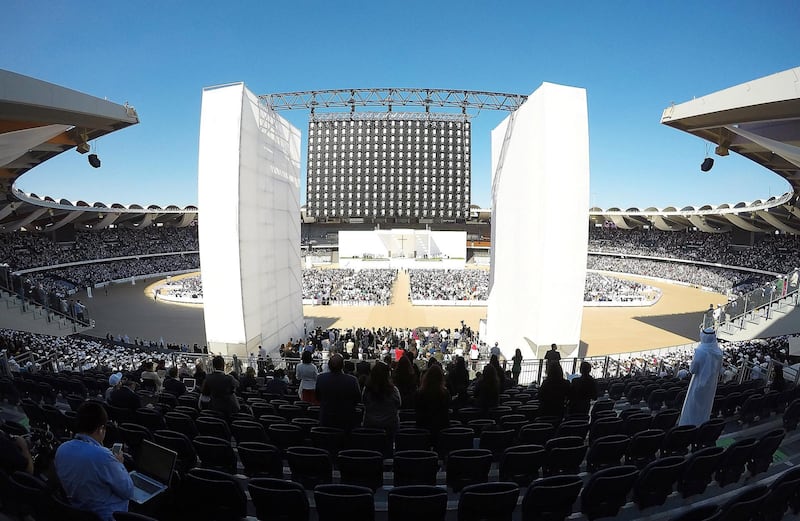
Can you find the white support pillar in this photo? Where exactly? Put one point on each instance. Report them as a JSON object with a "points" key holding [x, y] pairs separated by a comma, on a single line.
{"points": [[248, 183], [539, 223]]}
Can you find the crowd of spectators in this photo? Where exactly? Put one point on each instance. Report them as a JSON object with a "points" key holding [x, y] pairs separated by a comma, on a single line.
{"points": [[347, 285], [602, 288], [184, 287], [770, 252], [718, 279], [24, 250], [449, 284]]}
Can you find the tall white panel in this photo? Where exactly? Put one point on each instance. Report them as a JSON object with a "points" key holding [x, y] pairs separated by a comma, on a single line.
{"points": [[249, 179], [539, 222]]}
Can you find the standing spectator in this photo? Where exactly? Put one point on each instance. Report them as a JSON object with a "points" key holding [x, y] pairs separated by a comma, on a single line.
{"points": [[338, 394], [553, 354], [458, 379], [149, 375], [432, 403], [199, 375], [306, 373], [705, 369], [381, 401], [221, 388], [93, 478], [406, 381], [584, 390], [474, 353], [554, 391], [516, 366]]}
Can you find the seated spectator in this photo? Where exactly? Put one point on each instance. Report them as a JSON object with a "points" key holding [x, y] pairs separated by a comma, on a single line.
{"points": [[149, 375], [248, 380], [93, 477], [114, 382], [125, 396], [14, 454], [171, 383], [277, 384]]}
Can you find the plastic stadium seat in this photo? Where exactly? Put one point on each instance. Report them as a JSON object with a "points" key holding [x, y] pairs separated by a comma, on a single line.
{"points": [[656, 399], [248, 430], [333, 500], [187, 456], [25, 496], [577, 428], [734, 459], [211, 426], [784, 493], [606, 452], [701, 513], [495, 501], [415, 467], [419, 502], [328, 438], [132, 435], [150, 418], [536, 433], [285, 435], [468, 467], [260, 459], [657, 481], [369, 439], [215, 453], [551, 499], [454, 438], [310, 466], [751, 409], [637, 423], [700, 466], [603, 405], [792, 415], [521, 464], [180, 422], [278, 499], [708, 433], [607, 491], [229, 504], [563, 455], [361, 467], [761, 457], [606, 427], [744, 506], [412, 438], [480, 424], [643, 447], [678, 440], [497, 441], [665, 419]]}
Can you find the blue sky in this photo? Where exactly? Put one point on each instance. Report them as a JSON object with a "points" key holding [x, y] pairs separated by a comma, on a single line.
{"points": [[633, 57]]}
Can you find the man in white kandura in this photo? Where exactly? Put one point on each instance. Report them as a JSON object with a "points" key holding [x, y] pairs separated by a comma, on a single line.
{"points": [[705, 369]]}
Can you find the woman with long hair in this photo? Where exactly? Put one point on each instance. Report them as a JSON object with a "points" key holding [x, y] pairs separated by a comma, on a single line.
{"points": [[516, 366], [458, 378], [306, 374], [487, 391], [381, 400], [432, 402], [406, 381]]}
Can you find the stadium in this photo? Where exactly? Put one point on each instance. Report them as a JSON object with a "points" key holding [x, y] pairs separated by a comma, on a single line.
{"points": [[379, 267]]}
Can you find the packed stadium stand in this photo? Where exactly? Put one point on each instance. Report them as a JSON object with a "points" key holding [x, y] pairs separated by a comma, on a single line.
{"points": [[498, 449]]}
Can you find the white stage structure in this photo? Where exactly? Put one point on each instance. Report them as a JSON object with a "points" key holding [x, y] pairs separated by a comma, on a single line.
{"points": [[249, 189], [402, 248], [540, 197]]}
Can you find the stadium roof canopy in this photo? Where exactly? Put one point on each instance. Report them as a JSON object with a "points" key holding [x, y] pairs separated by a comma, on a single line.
{"points": [[759, 120], [38, 121]]}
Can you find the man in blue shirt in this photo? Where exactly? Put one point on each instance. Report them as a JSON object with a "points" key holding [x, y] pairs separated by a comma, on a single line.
{"points": [[93, 477]]}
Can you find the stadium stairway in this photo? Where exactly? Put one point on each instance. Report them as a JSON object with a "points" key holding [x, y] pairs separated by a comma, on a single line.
{"points": [[34, 318], [784, 319]]}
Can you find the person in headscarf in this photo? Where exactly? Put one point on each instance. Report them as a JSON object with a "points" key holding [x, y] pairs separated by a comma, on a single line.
{"points": [[705, 370]]}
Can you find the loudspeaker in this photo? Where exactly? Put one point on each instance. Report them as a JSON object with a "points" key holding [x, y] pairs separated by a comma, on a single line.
{"points": [[705, 166], [95, 161]]}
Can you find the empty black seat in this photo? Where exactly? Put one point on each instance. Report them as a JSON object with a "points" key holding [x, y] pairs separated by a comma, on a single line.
{"points": [[215, 453], [792, 415], [468, 467], [606, 452], [551, 499], [278, 499], [180, 422], [454, 438], [361, 467], [708, 433], [656, 481], [761, 456], [784, 493], [734, 459], [496, 441], [181, 444], [636, 423], [412, 438], [211, 426], [310, 466], [607, 490], [260, 459], [744, 505], [577, 428], [701, 513], [643, 447], [700, 466], [369, 439], [606, 427], [494, 501], [230, 502], [418, 502], [248, 430], [665, 419], [328, 438], [536, 433], [285, 435], [415, 467], [334, 500], [563, 455], [678, 440], [521, 464]]}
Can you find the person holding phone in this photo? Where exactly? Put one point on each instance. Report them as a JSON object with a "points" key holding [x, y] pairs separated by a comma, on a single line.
{"points": [[93, 477]]}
